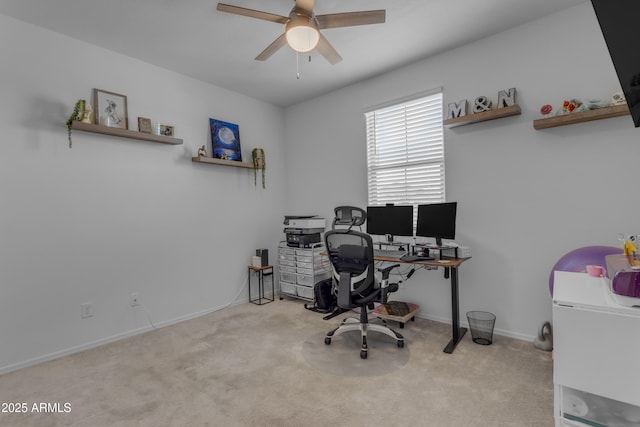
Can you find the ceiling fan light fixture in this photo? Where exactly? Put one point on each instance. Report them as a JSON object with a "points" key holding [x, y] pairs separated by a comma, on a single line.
{"points": [[302, 33]]}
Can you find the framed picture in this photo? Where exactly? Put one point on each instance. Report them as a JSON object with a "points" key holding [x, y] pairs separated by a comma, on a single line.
{"points": [[225, 140], [110, 109], [165, 130], [144, 125]]}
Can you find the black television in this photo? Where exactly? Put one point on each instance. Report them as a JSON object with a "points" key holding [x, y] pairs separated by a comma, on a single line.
{"points": [[618, 21], [390, 221], [437, 220]]}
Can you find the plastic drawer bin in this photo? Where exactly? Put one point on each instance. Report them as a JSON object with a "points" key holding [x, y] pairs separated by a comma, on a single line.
{"points": [[287, 288], [287, 262], [311, 279], [288, 269], [305, 279], [288, 277], [318, 265], [304, 291], [300, 258], [312, 271]]}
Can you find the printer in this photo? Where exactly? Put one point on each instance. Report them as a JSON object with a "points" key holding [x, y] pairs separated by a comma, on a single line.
{"points": [[303, 231]]}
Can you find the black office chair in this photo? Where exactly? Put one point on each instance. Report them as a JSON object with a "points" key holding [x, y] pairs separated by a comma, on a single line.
{"points": [[351, 255]]}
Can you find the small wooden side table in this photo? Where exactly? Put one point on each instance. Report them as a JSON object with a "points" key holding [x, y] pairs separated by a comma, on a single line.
{"points": [[261, 272]]}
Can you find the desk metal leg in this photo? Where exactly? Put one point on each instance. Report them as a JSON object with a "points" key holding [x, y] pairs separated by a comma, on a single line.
{"points": [[457, 331], [260, 287]]}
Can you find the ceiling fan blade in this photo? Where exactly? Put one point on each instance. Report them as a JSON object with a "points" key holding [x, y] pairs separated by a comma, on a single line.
{"points": [[272, 48], [350, 19], [306, 5], [325, 49], [252, 13]]}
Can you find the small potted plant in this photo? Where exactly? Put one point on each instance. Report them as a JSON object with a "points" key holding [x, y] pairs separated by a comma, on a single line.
{"points": [[259, 162], [81, 112]]}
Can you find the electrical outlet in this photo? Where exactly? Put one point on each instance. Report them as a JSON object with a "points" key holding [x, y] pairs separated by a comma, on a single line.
{"points": [[135, 299], [86, 310]]}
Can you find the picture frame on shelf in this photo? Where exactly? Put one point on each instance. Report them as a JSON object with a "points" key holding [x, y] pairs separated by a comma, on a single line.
{"points": [[165, 130], [225, 140], [110, 109], [144, 125]]}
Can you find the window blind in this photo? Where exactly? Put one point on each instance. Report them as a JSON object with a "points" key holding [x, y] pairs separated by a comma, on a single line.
{"points": [[405, 152]]}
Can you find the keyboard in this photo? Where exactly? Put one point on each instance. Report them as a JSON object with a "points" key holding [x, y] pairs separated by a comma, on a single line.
{"points": [[389, 253], [411, 258]]}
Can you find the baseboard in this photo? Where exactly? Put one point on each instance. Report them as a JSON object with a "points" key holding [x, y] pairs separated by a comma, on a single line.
{"points": [[501, 332], [107, 340]]}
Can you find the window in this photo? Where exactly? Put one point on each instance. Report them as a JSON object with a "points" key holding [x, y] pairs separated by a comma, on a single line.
{"points": [[405, 151]]}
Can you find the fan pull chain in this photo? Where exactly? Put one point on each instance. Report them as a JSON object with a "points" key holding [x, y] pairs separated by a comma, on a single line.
{"points": [[297, 66]]}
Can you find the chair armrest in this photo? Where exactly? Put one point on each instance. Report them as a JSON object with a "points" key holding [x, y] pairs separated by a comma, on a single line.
{"points": [[386, 268]]}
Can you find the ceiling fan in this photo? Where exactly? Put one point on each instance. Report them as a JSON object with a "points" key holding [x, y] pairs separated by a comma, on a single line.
{"points": [[302, 27]]}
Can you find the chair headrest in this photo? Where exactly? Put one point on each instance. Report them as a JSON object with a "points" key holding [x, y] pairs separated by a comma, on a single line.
{"points": [[349, 215]]}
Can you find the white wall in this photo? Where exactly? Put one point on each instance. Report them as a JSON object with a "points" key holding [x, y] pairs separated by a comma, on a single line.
{"points": [[112, 216], [525, 197]]}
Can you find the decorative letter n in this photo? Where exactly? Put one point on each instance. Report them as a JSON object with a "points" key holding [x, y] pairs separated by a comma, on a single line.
{"points": [[505, 100]]}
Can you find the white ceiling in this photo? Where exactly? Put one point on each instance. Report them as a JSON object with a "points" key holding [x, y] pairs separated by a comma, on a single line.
{"points": [[192, 38]]}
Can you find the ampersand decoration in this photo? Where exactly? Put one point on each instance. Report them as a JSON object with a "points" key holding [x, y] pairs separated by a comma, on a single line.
{"points": [[482, 103]]}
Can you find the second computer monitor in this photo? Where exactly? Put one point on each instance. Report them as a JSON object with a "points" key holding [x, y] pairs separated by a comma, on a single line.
{"points": [[390, 220], [437, 220]]}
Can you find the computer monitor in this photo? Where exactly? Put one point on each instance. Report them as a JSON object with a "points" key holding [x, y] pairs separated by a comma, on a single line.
{"points": [[437, 220], [390, 220]]}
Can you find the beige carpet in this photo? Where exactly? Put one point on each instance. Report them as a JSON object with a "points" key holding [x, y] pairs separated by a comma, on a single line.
{"points": [[249, 365]]}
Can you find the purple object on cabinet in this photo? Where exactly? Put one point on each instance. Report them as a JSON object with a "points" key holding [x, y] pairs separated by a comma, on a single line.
{"points": [[578, 259], [626, 283]]}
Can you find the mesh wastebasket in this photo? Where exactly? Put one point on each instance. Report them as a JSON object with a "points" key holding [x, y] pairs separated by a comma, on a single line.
{"points": [[481, 325]]}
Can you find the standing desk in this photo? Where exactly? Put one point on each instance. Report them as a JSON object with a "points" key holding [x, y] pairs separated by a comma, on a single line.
{"points": [[449, 265]]}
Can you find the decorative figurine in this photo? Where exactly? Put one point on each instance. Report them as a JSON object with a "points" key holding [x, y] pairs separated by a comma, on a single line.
{"points": [[482, 104], [202, 152], [618, 98], [507, 98], [594, 104], [546, 109], [87, 116], [569, 106]]}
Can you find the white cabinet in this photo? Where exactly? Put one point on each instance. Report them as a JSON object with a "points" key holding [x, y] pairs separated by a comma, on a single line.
{"points": [[596, 366], [300, 269]]}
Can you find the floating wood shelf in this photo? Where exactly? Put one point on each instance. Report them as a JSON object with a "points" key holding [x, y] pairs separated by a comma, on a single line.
{"points": [[125, 133], [498, 113], [212, 161], [584, 116]]}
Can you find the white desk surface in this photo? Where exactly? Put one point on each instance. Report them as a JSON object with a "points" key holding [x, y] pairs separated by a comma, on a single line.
{"points": [[583, 291]]}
